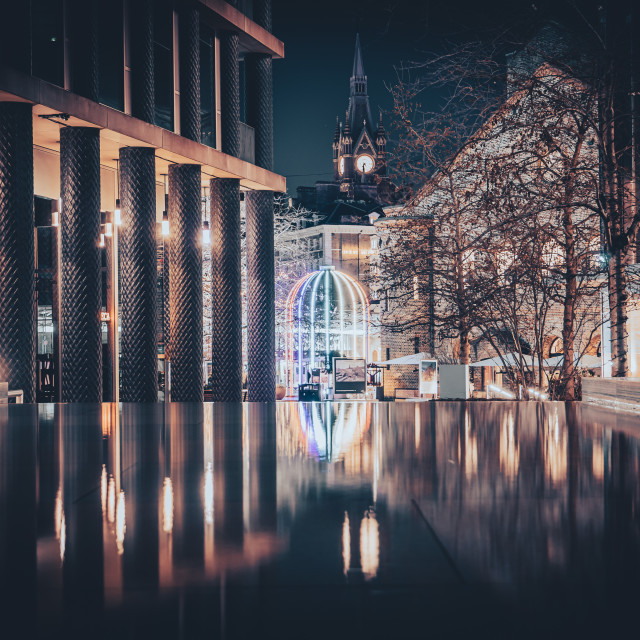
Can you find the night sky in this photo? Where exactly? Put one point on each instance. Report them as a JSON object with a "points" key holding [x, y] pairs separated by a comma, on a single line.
{"points": [[311, 85]]}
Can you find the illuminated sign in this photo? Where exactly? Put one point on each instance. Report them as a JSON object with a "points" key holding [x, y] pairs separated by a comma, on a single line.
{"points": [[105, 316]]}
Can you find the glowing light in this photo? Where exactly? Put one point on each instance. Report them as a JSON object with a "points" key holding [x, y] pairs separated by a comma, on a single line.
{"points": [[111, 500], [538, 395], [369, 544], [208, 494], [63, 536], [307, 293], [206, 233], [597, 461], [167, 506], [108, 230], [346, 544], [103, 490], [121, 524], [101, 243], [117, 214], [55, 219], [499, 391], [509, 447], [165, 224]]}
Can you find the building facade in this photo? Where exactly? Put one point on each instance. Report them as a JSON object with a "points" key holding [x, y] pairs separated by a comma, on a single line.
{"points": [[112, 114]]}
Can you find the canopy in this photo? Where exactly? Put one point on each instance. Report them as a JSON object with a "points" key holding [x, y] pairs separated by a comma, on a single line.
{"points": [[585, 361], [507, 360], [414, 359]]}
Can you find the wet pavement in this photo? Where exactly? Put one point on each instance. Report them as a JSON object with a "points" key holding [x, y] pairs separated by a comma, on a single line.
{"points": [[319, 520]]}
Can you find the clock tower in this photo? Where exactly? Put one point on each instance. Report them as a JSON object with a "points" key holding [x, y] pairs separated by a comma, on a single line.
{"points": [[359, 146]]}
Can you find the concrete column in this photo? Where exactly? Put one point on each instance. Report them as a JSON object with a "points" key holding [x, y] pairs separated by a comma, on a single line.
{"points": [[84, 20], [80, 262], [190, 121], [261, 383], [17, 262], [138, 275], [143, 100], [185, 283], [226, 338], [260, 106], [230, 93]]}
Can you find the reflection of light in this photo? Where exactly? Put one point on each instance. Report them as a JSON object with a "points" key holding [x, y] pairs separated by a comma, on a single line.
{"points": [[121, 525], [416, 436], [470, 449], [538, 395], [111, 500], [167, 506], [346, 544], [106, 415], [555, 451], [103, 489], [63, 535], [369, 544], [597, 461], [208, 494], [509, 448], [58, 512], [495, 389]]}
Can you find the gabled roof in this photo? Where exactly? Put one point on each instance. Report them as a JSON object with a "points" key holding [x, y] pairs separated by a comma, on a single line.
{"points": [[361, 139]]}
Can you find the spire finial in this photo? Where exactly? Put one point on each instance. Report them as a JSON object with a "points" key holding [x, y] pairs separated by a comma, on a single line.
{"points": [[358, 66]]}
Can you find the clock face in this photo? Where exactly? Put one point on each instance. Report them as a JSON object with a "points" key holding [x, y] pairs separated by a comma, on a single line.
{"points": [[365, 163], [341, 165]]}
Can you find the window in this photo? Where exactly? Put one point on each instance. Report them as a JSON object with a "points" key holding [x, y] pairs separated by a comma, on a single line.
{"points": [[207, 86], [163, 62], [47, 40], [111, 55]]}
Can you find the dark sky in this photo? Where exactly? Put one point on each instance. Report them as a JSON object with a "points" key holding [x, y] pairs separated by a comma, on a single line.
{"points": [[311, 85]]}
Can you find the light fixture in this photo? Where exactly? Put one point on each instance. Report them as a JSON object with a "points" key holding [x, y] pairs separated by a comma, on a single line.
{"points": [[165, 224], [108, 226], [117, 214], [56, 207], [55, 219], [206, 233], [101, 240]]}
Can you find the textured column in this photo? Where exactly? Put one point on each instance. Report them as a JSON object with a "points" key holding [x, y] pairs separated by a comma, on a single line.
{"points": [[166, 331], [260, 106], [17, 267], [229, 93], [83, 18], [138, 274], [185, 283], [226, 285], [262, 13], [109, 353], [190, 122], [81, 277], [261, 382], [142, 60]]}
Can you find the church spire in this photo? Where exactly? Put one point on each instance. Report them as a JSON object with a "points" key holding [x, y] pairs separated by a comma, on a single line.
{"points": [[358, 65]]}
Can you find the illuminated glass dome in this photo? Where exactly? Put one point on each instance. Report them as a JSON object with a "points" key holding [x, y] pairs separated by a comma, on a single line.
{"points": [[327, 316]]}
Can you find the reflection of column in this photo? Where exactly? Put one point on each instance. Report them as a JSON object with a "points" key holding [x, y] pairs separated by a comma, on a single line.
{"points": [[18, 518], [226, 285], [138, 276], [227, 465], [190, 72], [185, 287], [111, 352], [262, 466], [142, 60], [261, 382], [81, 264], [230, 93], [81, 431], [142, 484], [17, 293], [187, 452]]}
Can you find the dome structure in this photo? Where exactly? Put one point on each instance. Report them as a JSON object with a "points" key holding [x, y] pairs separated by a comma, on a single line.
{"points": [[327, 316]]}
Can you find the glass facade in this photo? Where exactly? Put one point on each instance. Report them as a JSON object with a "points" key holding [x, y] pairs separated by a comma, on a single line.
{"points": [[163, 62], [47, 47], [111, 55]]}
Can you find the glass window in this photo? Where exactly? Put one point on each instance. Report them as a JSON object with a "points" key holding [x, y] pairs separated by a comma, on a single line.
{"points": [[207, 86], [111, 55], [48, 40], [163, 63]]}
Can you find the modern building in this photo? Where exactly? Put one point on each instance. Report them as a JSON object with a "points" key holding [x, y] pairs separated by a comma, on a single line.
{"points": [[110, 114]]}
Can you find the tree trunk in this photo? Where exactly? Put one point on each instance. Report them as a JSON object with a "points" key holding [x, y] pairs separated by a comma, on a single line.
{"points": [[567, 374], [618, 315]]}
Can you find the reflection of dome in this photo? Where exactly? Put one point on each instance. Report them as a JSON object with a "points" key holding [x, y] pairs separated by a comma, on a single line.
{"points": [[327, 314]]}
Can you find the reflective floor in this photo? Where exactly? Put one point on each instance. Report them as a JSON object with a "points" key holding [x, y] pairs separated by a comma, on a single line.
{"points": [[343, 520]]}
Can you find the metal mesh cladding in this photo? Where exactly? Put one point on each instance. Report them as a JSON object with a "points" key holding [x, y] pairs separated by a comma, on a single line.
{"points": [[230, 93], [81, 276], [107, 354], [143, 81], [138, 273], [190, 121], [17, 275], [185, 283], [262, 13], [261, 383], [260, 105], [226, 338]]}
